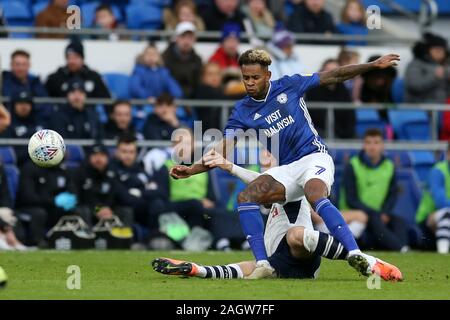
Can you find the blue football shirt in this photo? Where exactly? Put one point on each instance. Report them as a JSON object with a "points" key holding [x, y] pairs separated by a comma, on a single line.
{"points": [[281, 115]]}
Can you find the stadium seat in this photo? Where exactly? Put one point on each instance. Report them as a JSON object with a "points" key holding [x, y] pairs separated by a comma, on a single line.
{"points": [[398, 90], [408, 197], [402, 159], [159, 3], [7, 155], [12, 174], [342, 156], [410, 124], [143, 16], [367, 119], [38, 7], [17, 13], [443, 6], [88, 13], [74, 154], [101, 113], [118, 84], [422, 161], [224, 184]]}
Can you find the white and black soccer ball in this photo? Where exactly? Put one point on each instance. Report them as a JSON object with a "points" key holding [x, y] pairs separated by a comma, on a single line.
{"points": [[46, 148]]}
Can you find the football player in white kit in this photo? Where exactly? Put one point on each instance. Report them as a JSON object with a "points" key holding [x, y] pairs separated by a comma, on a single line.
{"points": [[293, 246]]}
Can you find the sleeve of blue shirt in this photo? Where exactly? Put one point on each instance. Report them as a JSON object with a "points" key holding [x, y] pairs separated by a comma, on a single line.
{"points": [[303, 82], [437, 189]]}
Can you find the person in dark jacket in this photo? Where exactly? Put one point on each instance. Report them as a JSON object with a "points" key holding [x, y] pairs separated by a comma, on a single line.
{"points": [[58, 82], [344, 119], [144, 195], [76, 120], [19, 80], [311, 17], [101, 196], [150, 78], [221, 12], [369, 185], [181, 59], [44, 195], [24, 124], [119, 122], [163, 121]]}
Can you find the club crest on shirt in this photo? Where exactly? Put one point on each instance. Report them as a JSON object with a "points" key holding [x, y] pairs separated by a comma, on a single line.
{"points": [[282, 98]]}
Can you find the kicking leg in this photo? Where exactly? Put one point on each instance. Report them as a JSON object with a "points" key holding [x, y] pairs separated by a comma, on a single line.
{"points": [[184, 268]]}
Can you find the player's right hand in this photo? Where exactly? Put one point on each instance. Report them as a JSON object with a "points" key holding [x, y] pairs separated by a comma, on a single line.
{"points": [[213, 159], [180, 172]]}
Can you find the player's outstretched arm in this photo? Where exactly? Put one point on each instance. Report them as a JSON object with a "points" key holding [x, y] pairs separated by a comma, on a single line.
{"points": [[183, 171], [214, 159], [347, 72]]}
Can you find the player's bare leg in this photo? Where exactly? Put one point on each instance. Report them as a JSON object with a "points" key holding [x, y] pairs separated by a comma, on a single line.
{"points": [[264, 190], [316, 193], [175, 267]]}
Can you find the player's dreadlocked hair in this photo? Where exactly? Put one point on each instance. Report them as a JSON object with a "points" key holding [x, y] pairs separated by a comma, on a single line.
{"points": [[255, 56]]}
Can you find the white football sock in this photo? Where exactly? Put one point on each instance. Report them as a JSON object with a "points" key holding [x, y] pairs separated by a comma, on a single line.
{"points": [[443, 245]]}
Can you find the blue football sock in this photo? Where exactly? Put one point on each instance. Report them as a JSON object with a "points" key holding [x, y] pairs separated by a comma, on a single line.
{"points": [[253, 226], [336, 223]]}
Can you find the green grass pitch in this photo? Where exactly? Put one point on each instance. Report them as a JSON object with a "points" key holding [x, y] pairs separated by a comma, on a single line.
{"points": [[128, 275]]}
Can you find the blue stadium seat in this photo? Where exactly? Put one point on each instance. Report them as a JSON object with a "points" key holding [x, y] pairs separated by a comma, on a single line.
{"points": [[7, 155], [101, 113], [38, 7], [402, 159], [143, 16], [12, 174], [367, 119], [422, 162], [17, 13], [342, 156], [74, 154], [443, 6], [409, 195], [88, 13], [118, 84], [160, 3], [411, 5], [398, 90], [224, 185], [410, 124]]}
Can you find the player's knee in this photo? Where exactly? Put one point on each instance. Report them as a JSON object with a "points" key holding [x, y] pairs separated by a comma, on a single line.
{"points": [[361, 216], [315, 190], [294, 237]]}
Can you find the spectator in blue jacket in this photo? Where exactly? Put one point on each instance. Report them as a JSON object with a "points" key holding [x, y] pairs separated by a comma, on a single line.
{"points": [[150, 78], [353, 21], [19, 80]]}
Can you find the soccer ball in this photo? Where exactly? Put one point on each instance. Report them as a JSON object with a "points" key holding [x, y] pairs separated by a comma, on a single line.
{"points": [[46, 148], [3, 278]]}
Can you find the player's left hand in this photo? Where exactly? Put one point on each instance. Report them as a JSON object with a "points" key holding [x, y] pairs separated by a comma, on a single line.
{"points": [[180, 172], [389, 60]]}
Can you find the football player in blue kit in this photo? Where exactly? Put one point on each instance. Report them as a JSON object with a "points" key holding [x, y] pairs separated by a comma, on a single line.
{"points": [[278, 112]]}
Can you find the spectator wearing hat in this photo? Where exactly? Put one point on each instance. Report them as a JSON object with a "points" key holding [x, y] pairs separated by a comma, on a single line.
{"points": [[221, 12], [119, 122], [227, 55], [19, 80], [260, 17], [76, 120], [285, 62], [181, 59], [58, 82], [311, 17], [150, 78], [101, 196], [24, 123], [53, 16], [427, 77], [163, 121]]}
